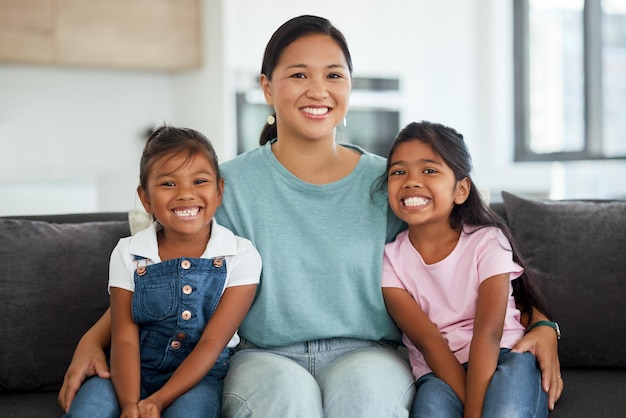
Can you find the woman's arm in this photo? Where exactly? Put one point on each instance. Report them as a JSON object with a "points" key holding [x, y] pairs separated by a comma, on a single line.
{"points": [[88, 360], [222, 325], [485, 347], [416, 325], [125, 365], [542, 343]]}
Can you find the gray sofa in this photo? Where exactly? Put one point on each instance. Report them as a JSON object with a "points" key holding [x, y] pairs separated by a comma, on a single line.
{"points": [[53, 276]]}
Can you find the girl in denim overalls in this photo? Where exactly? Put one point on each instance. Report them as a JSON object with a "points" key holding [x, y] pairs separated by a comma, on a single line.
{"points": [[179, 290]]}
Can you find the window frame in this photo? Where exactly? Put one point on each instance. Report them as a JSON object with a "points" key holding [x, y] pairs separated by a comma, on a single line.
{"points": [[593, 83]]}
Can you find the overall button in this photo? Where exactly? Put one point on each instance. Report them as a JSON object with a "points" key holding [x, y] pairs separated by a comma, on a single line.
{"points": [[181, 336], [186, 315], [175, 345], [185, 264], [187, 289]]}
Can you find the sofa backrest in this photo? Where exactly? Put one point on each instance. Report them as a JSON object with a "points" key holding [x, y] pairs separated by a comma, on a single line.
{"points": [[54, 273], [578, 250], [498, 207], [53, 287]]}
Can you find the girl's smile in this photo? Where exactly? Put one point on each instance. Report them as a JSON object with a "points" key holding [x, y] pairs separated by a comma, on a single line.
{"points": [[187, 212], [183, 193], [415, 201], [422, 188]]}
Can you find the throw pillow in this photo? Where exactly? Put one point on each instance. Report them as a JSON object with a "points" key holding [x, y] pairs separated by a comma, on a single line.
{"points": [[578, 249], [53, 287]]}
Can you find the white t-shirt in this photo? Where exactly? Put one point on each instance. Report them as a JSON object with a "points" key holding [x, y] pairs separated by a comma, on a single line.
{"points": [[242, 259]]}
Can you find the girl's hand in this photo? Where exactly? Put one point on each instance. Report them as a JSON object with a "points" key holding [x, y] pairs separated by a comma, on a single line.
{"points": [[130, 411], [542, 343], [149, 409]]}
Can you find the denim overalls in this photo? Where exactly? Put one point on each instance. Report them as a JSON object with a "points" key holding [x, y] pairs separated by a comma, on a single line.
{"points": [[172, 302]]}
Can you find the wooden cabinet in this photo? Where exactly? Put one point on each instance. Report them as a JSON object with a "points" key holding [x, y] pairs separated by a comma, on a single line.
{"points": [[161, 35], [26, 32]]}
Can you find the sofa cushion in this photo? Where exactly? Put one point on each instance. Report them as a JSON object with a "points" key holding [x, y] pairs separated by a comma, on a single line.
{"points": [[578, 249], [53, 287]]}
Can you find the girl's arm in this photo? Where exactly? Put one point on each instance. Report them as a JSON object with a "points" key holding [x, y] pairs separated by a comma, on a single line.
{"points": [[88, 360], [485, 347], [125, 366], [416, 325], [222, 325]]}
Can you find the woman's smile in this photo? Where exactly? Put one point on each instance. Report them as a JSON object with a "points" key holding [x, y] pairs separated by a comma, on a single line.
{"points": [[316, 112]]}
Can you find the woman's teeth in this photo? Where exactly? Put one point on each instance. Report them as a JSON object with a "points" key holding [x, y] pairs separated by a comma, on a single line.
{"points": [[315, 110]]}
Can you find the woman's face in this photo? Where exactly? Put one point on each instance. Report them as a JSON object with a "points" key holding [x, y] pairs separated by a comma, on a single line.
{"points": [[310, 88]]}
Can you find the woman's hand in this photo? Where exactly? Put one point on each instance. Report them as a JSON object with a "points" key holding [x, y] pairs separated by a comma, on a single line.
{"points": [[542, 343], [85, 363], [89, 360]]}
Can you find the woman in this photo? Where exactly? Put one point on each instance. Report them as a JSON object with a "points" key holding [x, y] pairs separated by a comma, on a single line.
{"points": [[318, 340]]}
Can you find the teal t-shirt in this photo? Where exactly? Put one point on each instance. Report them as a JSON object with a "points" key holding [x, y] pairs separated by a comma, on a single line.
{"points": [[321, 245]]}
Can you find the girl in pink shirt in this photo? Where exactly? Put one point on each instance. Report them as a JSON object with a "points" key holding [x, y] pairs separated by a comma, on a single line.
{"points": [[449, 280]]}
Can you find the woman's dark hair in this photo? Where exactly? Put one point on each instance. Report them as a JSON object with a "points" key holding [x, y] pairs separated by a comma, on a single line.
{"points": [[285, 35], [168, 140], [450, 146]]}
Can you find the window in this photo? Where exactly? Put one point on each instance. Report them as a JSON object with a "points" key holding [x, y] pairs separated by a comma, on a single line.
{"points": [[570, 79]]}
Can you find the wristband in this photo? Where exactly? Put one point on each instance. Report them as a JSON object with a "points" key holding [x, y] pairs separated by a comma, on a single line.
{"points": [[550, 324]]}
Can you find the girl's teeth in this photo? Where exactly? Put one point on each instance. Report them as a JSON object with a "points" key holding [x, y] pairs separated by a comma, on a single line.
{"points": [[187, 212], [415, 201]]}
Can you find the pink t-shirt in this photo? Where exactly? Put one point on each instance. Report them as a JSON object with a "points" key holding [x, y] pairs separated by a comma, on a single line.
{"points": [[447, 290]]}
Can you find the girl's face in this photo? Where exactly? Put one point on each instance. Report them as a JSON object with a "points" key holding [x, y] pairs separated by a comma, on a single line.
{"points": [[310, 88], [182, 193], [422, 188]]}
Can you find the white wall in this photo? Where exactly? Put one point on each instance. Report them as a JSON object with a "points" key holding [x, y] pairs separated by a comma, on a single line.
{"points": [[71, 128], [70, 139]]}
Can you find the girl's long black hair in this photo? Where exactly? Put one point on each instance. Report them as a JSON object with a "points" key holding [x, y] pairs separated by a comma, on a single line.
{"points": [[449, 144]]}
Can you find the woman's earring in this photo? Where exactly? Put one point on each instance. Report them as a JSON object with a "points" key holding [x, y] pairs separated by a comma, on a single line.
{"points": [[270, 120], [345, 122]]}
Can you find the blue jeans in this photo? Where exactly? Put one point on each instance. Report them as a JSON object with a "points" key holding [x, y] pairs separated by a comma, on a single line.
{"points": [[96, 398], [164, 294], [515, 391], [333, 378]]}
